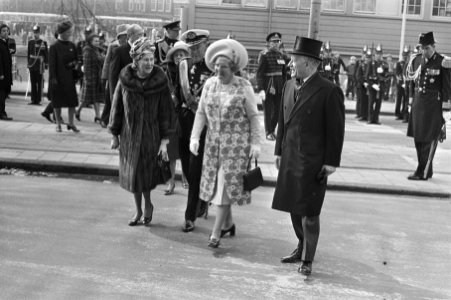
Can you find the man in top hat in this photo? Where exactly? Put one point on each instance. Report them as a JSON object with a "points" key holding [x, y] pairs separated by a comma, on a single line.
{"points": [[6, 78], [376, 76], [401, 95], [271, 77], [426, 122], [308, 147], [193, 72], [171, 34], [38, 60]]}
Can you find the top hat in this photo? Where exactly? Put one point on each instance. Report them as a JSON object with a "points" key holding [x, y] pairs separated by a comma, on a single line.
{"points": [[275, 35], [36, 29], [426, 38], [307, 47], [172, 25]]}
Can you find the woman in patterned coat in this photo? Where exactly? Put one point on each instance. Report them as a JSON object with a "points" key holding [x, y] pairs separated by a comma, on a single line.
{"points": [[140, 121], [229, 109], [92, 91]]}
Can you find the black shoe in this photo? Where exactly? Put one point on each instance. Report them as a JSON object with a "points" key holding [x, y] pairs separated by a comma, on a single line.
{"points": [[73, 128], [231, 230], [363, 119], [213, 243], [147, 220], [305, 268], [5, 118], [134, 221], [375, 123], [415, 176], [77, 116], [399, 117], [295, 256], [188, 226], [47, 116]]}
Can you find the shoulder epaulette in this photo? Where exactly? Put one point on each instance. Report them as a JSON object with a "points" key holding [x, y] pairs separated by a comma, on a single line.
{"points": [[446, 62]]}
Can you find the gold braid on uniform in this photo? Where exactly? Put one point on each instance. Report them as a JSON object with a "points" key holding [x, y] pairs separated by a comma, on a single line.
{"points": [[410, 73]]}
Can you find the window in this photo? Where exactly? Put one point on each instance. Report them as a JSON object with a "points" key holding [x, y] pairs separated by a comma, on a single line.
{"points": [[255, 3], [441, 8], [365, 6], [153, 5], [332, 5], [231, 2], [413, 7], [167, 6], [160, 5], [286, 3], [208, 2], [305, 4]]}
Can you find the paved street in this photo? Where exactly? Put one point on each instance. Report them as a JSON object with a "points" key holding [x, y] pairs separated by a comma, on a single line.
{"points": [[68, 239]]}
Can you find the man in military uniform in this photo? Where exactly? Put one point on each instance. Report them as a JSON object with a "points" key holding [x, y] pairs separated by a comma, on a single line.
{"points": [[376, 75], [325, 67], [37, 57], [401, 96], [170, 38], [193, 72], [271, 77], [361, 83], [432, 87]]}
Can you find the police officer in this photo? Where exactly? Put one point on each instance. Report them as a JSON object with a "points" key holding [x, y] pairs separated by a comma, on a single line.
{"points": [[193, 72], [401, 97], [361, 84], [37, 56], [376, 75], [432, 87], [271, 77], [170, 38]]}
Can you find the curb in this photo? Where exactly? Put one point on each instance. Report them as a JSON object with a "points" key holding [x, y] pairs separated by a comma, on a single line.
{"points": [[112, 171]]}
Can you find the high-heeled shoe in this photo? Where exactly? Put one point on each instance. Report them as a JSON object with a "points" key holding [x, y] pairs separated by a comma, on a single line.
{"points": [[77, 116], [147, 220], [97, 120], [103, 125], [58, 128], [135, 220], [231, 230], [213, 243], [73, 128], [170, 190]]}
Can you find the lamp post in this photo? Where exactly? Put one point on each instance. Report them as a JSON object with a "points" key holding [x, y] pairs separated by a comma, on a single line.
{"points": [[403, 28], [315, 11]]}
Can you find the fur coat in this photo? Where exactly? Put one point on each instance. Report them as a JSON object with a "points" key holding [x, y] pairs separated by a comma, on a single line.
{"points": [[141, 115]]}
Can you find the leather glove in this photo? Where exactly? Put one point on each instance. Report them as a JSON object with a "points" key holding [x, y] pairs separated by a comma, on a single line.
{"points": [[194, 147], [255, 151]]}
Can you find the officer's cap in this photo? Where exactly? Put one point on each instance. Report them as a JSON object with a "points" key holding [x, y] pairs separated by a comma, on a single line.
{"points": [[172, 26], [273, 35], [36, 29], [379, 49], [194, 36], [426, 38]]}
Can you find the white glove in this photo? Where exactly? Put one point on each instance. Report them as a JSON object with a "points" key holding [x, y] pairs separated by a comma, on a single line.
{"points": [[403, 86], [327, 68], [365, 84], [380, 70], [262, 95], [114, 142], [328, 169], [194, 147], [255, 151], [163, 150], [83, 69], [376, 87], [410, 100]]}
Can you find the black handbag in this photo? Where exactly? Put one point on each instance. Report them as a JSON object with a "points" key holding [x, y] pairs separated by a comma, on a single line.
{"points": [[252, 179], [164, 171]]}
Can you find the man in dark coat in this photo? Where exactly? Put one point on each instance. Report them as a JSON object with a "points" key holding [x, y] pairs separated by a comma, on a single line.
{"points": [[37, 57], [6, 79], [308, 147], [432, 87], [401, 95], [121, 56], [162, 46]]}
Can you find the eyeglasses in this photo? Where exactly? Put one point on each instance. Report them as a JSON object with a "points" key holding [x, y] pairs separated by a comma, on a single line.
{"points": [[275, 41]]}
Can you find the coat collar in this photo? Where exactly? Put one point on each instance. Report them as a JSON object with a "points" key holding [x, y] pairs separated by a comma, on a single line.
{"points": [[308, 89], [155, 83]]}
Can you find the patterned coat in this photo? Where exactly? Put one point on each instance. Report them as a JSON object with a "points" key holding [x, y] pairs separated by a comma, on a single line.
{"points": [[229, 137], [92, 89], [141, 115]]}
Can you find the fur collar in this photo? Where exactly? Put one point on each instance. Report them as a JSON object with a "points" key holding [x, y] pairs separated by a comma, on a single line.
{"points": [[155, 83]]}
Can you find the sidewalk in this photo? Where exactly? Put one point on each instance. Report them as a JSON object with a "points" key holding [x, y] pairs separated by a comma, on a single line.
{"points": [[376, 159]]}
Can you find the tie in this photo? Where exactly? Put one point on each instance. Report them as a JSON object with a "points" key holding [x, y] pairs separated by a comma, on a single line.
{"points": [[299, 83]]}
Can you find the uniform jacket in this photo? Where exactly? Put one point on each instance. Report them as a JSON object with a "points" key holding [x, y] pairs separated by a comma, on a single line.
{"points": [[92, 89], [310, 135], [5, 66], [37, 55], [271, 69], [141, 115], [360, 72], [161, 49], [432, 86], [373, 75]]}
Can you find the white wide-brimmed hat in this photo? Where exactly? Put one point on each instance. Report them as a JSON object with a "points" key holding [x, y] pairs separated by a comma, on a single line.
{"points": [[229, 48], [177, 46]]}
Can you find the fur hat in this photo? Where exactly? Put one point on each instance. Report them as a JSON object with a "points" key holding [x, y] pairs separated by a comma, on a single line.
{"points": [[64, 26], [232, 49]]}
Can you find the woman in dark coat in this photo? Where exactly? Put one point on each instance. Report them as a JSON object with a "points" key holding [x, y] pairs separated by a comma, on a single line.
{"points": [[92, 91], [140, 121], [62, 75]]}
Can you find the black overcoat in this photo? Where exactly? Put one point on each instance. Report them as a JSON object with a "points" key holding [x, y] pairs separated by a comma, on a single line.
{"points": [[62, 63], [310, 135], [5, 67]]}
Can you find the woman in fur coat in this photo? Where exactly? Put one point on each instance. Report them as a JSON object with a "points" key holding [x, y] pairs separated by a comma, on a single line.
{"points": [[140, 121]]}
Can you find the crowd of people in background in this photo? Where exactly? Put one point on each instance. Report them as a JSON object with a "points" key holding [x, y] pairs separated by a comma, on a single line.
{"points": [[186, 99]]}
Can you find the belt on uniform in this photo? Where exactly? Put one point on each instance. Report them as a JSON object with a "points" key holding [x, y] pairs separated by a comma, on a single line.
{"points": [[36, 56], [274, 74]]}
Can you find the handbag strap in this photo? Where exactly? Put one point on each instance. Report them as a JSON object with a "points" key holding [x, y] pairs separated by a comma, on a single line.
{"points": [[249, 163]]}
